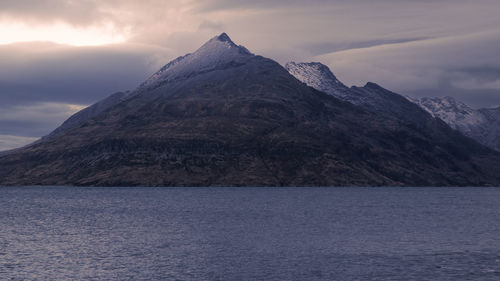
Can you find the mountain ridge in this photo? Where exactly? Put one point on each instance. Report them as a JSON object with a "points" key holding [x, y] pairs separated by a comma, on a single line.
{"points": [[482, 124], [244, 120], [371, 96]]}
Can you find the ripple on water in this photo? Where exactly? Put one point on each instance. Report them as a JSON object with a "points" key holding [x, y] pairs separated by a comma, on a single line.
{"points": [[55, 233]]}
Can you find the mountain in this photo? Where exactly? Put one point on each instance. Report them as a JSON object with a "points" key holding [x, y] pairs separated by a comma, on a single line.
{"points": [[85, 114], [483, 125], [489, 132], [455, 113], [371, 97], [224, 116], [318, 76]]}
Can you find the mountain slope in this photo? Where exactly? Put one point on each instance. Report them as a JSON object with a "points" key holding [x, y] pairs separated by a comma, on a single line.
{"points": [[455, 113], [483, 125], [489, 132], [318, 76], [87, 113], [371, 97], [223, 116]]}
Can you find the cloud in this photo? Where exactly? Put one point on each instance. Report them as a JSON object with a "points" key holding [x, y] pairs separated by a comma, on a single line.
{"points": [[321, 48], [8, 142], [36, 119], [477, 78], [211, 25], [466, 62], [42, 84], [413, 47], [61, 33], [50, 111], [318, 25], [75, 12], [473, 84], [43, 72]]}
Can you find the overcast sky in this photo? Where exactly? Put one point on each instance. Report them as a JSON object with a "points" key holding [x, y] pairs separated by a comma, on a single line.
{"points": [[58, 56]]}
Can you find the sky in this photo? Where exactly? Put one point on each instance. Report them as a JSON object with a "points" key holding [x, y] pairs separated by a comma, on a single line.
{"points": [[59, 56]]}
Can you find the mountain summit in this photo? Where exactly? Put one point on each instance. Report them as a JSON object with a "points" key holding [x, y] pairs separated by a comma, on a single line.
{"points": [[223, 116], [219, 53], [318, 76]]}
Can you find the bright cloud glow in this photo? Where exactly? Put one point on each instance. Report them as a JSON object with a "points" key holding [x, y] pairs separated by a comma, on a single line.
{"points": [[10, 142], [61, 33], [45, 110]]}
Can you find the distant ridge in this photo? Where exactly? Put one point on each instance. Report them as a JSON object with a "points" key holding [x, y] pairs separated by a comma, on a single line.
{"points": [[483, 124]]}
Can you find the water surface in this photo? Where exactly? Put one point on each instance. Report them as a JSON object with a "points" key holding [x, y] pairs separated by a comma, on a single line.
{"points": [[75, 233]]}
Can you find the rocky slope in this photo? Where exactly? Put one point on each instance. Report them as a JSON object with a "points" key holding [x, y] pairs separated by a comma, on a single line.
{"points": [[318, 76], [455, 113], [371, 97], [489, 132], [84, 115], [483, 125], [223, 116]]}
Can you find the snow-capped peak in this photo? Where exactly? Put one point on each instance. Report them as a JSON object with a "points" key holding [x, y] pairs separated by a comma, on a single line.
{"points": [[224, 38], [218, 53], [318, 76], [221, 46]]}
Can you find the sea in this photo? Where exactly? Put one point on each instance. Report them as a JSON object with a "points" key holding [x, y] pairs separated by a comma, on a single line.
{"points": [[253, 233]]}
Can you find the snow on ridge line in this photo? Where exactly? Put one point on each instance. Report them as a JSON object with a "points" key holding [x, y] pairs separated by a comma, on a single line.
{"points": [[455, 113], [217, 52], [316, 75]]}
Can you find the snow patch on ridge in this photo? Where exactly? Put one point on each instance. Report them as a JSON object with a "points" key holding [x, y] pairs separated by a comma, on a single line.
{"points": [[318, 76], [455, 113]]}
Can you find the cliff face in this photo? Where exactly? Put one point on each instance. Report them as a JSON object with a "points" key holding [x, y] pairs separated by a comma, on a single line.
{"points": [[223, 116]]}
